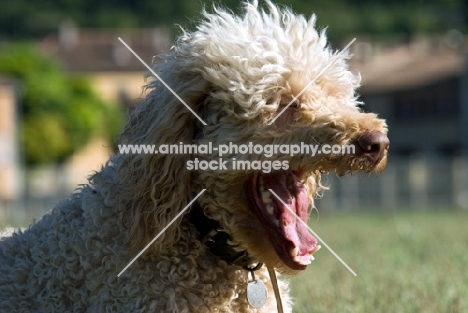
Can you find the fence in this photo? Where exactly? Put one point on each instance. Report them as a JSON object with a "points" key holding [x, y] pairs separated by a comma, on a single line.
{"points": [[415, 183]]}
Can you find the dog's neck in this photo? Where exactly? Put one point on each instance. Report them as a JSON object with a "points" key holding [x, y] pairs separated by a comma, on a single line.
{"points": [[216, 239]]}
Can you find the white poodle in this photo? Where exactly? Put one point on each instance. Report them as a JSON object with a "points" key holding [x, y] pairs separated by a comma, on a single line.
{"points": [[237, 73]]}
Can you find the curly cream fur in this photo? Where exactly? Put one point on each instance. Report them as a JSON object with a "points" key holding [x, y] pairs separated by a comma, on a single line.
{"points": [[237, 73]]}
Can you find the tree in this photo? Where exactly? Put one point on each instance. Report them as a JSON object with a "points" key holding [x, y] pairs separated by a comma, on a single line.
{"points": [[59, 113], [27, 19]]}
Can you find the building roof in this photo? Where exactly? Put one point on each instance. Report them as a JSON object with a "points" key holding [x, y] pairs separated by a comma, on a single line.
{"points": [[383, 67], [407, 65], [96, 50]]}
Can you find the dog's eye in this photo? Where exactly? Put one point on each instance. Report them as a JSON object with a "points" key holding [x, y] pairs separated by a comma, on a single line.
{"points": [[295, 105]]}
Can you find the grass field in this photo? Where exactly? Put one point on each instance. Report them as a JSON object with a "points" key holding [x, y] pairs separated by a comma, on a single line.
{"points": [[405, 262]]}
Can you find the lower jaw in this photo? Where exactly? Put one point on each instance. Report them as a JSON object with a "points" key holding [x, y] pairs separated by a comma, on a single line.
{"points": [[285, 258]]}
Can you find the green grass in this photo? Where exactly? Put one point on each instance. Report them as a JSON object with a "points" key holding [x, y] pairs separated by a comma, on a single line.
{"points": [[406, 262]]}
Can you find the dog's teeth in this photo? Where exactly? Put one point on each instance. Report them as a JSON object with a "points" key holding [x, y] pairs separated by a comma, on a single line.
{"points": [[270, 209], [317, 248], [266, 197], [304, 262], [312, 257], [294, 252]]}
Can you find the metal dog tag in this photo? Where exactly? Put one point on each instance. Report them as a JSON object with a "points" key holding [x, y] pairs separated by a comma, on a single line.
{"points": [[256, 292]]}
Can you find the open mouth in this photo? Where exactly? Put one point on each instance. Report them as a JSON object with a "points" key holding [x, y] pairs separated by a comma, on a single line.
{"points": [[289, 236]]}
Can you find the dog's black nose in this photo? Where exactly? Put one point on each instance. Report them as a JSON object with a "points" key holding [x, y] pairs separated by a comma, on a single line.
{"points": [[373, 144]]}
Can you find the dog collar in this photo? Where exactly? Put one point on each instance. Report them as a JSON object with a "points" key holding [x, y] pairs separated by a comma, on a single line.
{"points": [[217, 240]]}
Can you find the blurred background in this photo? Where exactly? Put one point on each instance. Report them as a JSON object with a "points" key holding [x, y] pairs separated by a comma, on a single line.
{"points": [[66, 84]]}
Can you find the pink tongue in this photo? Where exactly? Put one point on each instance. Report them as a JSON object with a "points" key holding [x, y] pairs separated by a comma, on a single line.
{"points": [[291, 190]]}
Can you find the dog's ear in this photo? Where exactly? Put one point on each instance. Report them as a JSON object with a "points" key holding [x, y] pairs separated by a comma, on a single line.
{"points": [[155, 187]]}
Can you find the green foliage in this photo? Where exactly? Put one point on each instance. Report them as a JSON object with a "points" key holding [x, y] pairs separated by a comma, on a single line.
{"points": [[34, 18], [45, 138], [59, 113]]}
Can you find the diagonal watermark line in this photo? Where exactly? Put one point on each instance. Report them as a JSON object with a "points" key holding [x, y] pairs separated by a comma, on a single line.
{"points": [[313, 233], [311, 82], [161, 232], [159, 78]]}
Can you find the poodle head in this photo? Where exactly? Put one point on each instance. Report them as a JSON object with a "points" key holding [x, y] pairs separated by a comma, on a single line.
{"points": [[260, 81]]}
